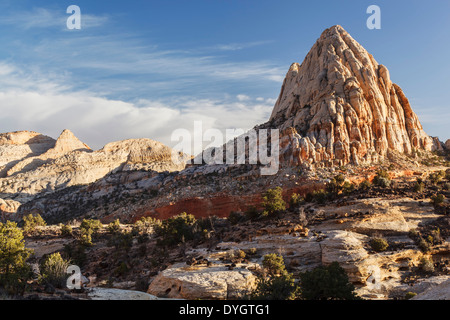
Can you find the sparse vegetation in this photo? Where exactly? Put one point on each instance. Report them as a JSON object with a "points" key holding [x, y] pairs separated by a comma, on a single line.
{"points": [[32, 222], [296, 200], [275, 283], [327, 283], [378, 244], [14, 271], [437, 199], [66, 230], [180, 228], [419, 185], [426, 264], [273, 201], [53, 270], [382, 179], [88, 228]]}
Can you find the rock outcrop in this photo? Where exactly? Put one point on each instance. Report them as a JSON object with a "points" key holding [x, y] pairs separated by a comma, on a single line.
{"points": [[34, 164], [340, 106], [201, 282]]}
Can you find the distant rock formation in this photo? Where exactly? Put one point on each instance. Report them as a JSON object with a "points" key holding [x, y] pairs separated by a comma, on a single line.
{"points": [[339, 106], [32, 163]]}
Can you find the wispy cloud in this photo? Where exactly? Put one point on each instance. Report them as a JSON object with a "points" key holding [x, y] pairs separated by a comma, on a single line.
{"points": [[38, 18]]}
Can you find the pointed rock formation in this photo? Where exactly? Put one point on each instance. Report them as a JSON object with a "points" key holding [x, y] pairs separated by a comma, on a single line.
{"points": [[339, 106], [66, 142]]}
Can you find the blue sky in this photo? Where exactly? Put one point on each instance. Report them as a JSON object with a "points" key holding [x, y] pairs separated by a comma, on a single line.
{"points": [[145, 68]]}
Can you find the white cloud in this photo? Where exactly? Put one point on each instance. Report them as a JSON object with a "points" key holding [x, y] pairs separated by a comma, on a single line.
{"points": [[46, 106], [46, 18]]}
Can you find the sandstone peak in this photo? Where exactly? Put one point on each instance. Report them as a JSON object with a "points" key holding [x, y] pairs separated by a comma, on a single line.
{"points": [[344, 107], [67, 141]]}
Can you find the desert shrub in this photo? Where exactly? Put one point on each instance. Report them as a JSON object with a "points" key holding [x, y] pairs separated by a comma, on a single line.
{"points": [[319, 196], [14, 271], [336, 183], [382, 179], [235, 255], [144, 227], [66, 230], [32, 222], [419, 185], [252, 213], [76, 253], [273, 201], [423, 245], [410, 295], [236, 217], [114, 227], [378, 244], [436, 177], [327, 283], [274, 264], [348, 187], [276, 283], [91, 224], [282, 287], [437, 199], [121, 240], [426, 264], [53, 270], [180, 228], [295, 200], [365, 185], [88, 228]]}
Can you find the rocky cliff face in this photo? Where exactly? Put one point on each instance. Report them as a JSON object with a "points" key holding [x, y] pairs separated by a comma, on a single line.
{"points": [[340, 106]]}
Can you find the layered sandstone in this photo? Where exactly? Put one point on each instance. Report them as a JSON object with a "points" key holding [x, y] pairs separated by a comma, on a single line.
{"points": [[340, 106]]}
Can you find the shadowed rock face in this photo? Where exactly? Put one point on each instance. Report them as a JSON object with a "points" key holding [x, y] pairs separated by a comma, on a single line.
{"points": [[343, 106]]}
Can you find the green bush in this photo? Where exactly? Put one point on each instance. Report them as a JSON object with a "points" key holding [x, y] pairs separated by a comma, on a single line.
{"points": [[277, 283], [365, 185], [32, 222], [14, 271], [235, 217], [335, 185], [273, 201], [121, 240], [76, 253], [382, 179], [437, 199], [296, 200], [319, 196], [53, 270], [327, 283], [274, 264], [88, 228], [419, 185], [180, 228], [114, 227], [66, 230], [378, 244], [436, 177], [426, 265], [410, 295]]}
